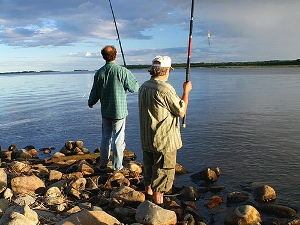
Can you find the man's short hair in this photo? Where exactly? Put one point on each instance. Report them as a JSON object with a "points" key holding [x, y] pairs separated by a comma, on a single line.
{"points": [[109, 53], [158, 71]]}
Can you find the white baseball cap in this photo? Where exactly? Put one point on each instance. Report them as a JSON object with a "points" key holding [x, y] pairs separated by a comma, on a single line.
{"points": [[162, 61]]}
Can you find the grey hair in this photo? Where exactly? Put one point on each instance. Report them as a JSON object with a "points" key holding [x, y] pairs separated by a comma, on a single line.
{"points": [[158, 71]]}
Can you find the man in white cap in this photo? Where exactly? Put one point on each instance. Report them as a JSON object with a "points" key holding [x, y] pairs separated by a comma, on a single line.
{"points": [[160, 109]]}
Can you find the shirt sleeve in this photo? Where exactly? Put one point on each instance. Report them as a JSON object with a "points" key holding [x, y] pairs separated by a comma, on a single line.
{"points": [[175, 103], [131, 83], [94, 95]]}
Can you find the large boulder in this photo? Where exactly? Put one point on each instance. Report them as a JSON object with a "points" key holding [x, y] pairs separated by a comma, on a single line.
{"points": [[265, 193], [128, 194], [151, 214], [3, 180], [17, 215], [90, 217], [243, 215], [27, 185]]}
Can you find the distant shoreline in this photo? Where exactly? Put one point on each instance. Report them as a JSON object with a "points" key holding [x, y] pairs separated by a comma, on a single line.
{"points": [[271, 63]]}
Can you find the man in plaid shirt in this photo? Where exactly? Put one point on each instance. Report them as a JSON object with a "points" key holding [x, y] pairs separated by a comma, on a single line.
{"points": [[111, 82]]}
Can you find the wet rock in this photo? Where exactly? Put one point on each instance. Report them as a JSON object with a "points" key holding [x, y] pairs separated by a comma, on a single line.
{"points": [[129, 155], [188, 194], [243, 215], [54, 196], [278, 210], [207, 175], [3, 179], [79, 144], [13, 148], [58, 155], [149, 213], [237, 197], [74, 148], [23, 154], [281, 221], [216, 189], [33, 152], [194, 213], [90, 217], [45, 150], [27, 185], [29, 149], [127, 194], [264, 193], [179, 169], [214, 201]]}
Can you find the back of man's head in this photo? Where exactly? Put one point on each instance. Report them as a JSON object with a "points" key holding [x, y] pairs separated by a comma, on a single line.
{"points": [[109, 53]]}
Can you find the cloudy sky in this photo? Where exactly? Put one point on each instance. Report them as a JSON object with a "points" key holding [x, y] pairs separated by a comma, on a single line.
{"points": [[68, 34]]}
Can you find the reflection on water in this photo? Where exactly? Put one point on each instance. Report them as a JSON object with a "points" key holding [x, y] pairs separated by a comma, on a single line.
{"points": [[245, 121]]}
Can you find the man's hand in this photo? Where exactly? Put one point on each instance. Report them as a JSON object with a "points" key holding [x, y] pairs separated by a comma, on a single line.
{"points": [[187, 87]]}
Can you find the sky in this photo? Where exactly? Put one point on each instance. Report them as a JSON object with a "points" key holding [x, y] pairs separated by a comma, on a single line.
{"points": [[65, 35]]}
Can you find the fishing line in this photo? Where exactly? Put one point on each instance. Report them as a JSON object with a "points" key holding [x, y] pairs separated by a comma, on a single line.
{"points": [[119, 39]]}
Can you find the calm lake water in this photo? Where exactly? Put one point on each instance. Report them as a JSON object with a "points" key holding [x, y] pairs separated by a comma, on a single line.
{"points": [[245, 121]]}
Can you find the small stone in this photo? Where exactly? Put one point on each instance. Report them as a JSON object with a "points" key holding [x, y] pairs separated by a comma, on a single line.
{"points": [[73, 210], [237, 197], [25, 200], [55, 175], [8, 194], [54, 196]]}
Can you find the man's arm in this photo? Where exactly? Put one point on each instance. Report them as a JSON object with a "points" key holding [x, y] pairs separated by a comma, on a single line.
{"points": [[187, 87]]}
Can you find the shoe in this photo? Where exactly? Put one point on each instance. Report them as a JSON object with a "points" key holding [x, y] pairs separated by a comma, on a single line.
{"points": [[124, 171], [102, 167]]}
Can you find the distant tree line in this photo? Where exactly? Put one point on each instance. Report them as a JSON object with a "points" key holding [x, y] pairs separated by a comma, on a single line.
{"points": [[230, 64]]}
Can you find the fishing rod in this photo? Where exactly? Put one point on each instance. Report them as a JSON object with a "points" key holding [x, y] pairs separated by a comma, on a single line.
{"points": [[189, 53], [112, 11]]}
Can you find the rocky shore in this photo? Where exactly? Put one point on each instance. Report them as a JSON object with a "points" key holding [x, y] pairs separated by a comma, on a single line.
{"points": [[69, 188]]}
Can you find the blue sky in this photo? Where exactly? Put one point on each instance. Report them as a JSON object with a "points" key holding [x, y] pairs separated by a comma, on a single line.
{"points": [[68, 34]]}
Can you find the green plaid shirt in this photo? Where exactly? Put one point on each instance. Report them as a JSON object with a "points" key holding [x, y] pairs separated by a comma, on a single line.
{"points": [[159, 110], [111, 82]]}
